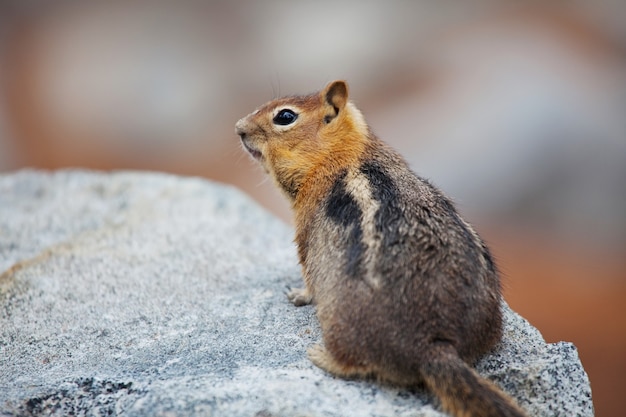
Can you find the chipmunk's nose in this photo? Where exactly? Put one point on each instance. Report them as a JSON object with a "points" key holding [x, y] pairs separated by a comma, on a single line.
{"points": [[240, 128]]}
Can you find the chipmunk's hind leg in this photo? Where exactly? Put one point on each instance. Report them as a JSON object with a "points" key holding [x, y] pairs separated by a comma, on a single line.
{"points": [[322, 358]]}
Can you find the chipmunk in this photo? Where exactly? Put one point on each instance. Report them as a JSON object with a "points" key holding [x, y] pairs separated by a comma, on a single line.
{"points": [[405, 289]]}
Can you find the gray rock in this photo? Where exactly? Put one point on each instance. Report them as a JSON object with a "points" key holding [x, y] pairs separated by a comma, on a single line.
{"points": [[149, 294]]}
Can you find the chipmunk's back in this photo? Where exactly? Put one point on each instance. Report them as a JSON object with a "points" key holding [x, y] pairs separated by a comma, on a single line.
{"points": [[407, 269]]}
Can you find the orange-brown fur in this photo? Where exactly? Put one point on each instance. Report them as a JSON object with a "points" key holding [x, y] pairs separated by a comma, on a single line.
{"points": [[405, 289]]}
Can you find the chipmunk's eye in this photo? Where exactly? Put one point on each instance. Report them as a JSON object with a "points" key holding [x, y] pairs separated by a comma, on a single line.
{"points": [[285, 117]]}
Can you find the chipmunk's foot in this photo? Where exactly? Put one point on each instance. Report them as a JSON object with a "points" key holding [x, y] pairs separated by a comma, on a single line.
{"points": [[299, 297], [322, 358]]}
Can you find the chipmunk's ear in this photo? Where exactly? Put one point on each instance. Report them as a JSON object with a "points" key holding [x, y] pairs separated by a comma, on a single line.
{"points": [[335, 97]]}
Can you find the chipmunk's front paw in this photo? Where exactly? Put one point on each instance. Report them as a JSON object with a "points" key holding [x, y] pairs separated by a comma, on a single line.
{"points": [[299, 297]]}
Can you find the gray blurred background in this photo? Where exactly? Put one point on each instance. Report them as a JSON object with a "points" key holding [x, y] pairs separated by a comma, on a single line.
{"points": [[515, 109]]}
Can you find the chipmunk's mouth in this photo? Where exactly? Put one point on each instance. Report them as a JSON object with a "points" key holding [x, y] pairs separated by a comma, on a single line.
{"points": [[256, 154]]}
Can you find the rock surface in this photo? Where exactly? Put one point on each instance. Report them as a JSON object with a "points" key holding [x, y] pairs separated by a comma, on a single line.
{"points": [[149, 294]]}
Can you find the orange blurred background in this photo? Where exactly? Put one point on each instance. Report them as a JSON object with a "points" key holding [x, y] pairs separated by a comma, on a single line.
{"points": [[515, 109]]}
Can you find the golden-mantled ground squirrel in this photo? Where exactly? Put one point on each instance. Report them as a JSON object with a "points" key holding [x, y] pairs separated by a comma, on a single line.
{"points": [[405, 289]]}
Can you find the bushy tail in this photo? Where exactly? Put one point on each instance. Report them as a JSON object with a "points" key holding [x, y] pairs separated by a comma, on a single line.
{"points": [[462, 392]]}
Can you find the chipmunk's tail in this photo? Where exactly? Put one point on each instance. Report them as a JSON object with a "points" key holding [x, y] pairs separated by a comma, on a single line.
{"points": [[462, 392]]}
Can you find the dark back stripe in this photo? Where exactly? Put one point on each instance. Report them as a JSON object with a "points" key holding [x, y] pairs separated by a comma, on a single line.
{"points": [[341, 207], [344, 211], [385, 191]]}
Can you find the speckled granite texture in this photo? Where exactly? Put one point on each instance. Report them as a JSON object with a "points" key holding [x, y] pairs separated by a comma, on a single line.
{"points": [[148, 294]]}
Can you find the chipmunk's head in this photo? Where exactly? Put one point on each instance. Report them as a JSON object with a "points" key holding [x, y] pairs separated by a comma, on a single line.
{"points": [[292, 136]]}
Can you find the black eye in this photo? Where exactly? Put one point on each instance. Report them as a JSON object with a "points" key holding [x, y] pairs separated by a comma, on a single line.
{"points": [[285, 117]]}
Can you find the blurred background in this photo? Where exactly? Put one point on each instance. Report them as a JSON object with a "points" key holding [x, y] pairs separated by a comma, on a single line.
{"points": [[515, 109]]}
